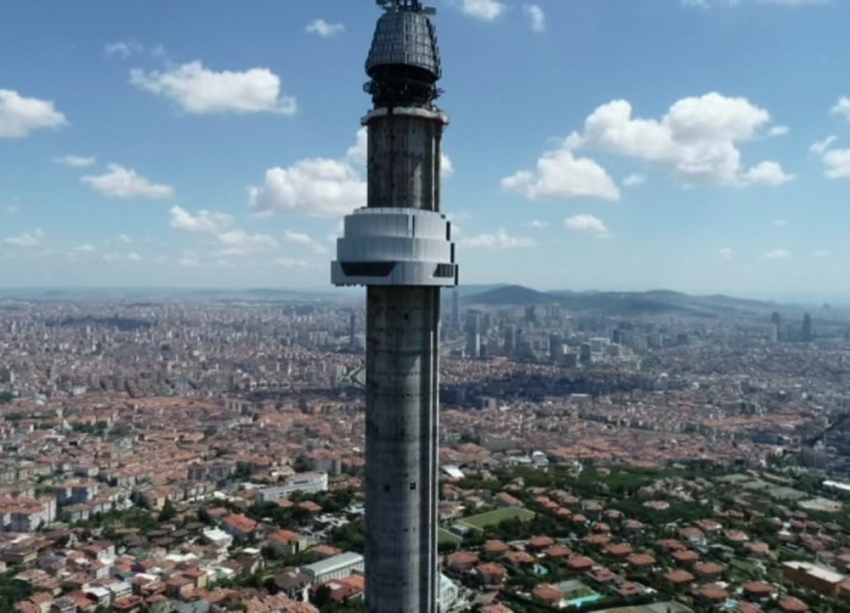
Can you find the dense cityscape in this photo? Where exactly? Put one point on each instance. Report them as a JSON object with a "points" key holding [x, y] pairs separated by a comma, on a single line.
{"points": [[207, 455]]}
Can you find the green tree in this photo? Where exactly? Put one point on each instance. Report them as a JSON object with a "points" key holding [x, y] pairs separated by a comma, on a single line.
{"points": [[12, 590], [323, 598], [168, 512]]}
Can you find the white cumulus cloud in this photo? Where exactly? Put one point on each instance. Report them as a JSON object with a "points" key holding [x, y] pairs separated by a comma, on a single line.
{"points": [[697, 138], [836, 162], [561, 175], [778, 254], [19, 115], [219, 226], [498, 240], [307, 241], [778, 131], [120, 182], [766, 173], [536, 17], [317, 187], [204, 222], [447, 167], [202, 91], [726, 253], [324, 29], [75, 161], [485, 10], [821, 147], [587, 224], [26, 239], [842, 107], [537, 224], [634, 180], [123, 50], [239, 242]]}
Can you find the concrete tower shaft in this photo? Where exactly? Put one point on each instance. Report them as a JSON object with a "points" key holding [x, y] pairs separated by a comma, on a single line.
{"points": [[404, 158], [400, 247], [402, 433], [402, 379]]}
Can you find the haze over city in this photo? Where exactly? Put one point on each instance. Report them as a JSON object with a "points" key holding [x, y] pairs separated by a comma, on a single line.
{"points": [[698, 146]]}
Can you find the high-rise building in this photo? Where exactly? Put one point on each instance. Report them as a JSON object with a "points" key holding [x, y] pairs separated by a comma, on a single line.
{"points": [[486, 323], [510, 339], [585, 354], [773, 333], [399, 246], [456, 310], [776, 322], [556, 347], [808, 335], [473, 334], [531, 314]]}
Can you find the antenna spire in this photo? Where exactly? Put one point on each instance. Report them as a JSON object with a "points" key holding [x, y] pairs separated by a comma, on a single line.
{"points": [[404, 5]]}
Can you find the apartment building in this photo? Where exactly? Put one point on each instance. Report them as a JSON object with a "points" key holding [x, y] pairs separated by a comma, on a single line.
{"points": [[307, 483]]}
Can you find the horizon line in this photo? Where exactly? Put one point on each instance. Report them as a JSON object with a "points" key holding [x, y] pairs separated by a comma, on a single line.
{"points": [[791, 298]]}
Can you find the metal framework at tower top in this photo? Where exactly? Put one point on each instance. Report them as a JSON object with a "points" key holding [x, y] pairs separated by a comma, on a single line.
{"points": [[406, 5], [404, 60]]}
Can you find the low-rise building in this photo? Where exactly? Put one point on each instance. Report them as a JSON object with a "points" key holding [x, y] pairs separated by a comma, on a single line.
{"points": [[306, 483], [814, 577], [337, 567]]}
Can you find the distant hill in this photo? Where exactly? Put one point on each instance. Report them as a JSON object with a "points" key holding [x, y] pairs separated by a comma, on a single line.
{"points": [[510, 294], [653, 301], [468, 290]]}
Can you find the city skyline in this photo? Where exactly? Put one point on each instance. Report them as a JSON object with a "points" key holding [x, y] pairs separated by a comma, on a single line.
{"points": [[153, 145]]}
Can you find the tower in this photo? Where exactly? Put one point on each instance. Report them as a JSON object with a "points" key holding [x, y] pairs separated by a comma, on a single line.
{"points": [[473, 334], [510, 339], [776, 323], [455, 310], [400, 247], [556, 347], [808, 335]]}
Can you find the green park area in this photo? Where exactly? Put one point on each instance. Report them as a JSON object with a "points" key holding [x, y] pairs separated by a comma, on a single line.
{"points": [[494, 518], [444, 536]]}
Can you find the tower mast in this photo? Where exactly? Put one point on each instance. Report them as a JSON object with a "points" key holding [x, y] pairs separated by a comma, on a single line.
{"points": [[400, 248]]}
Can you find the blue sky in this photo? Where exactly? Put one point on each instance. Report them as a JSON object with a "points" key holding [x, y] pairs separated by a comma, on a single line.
{"points": [[694, 145]]}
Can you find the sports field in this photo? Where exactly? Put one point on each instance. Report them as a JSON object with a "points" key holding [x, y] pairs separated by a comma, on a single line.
{"points": [[494, 518], [444, 536]]}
